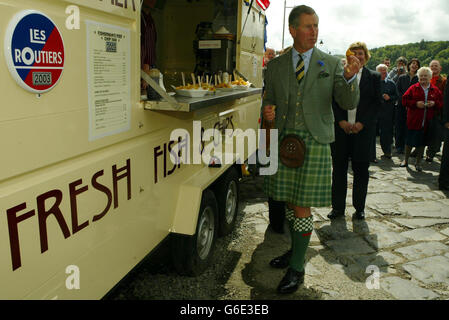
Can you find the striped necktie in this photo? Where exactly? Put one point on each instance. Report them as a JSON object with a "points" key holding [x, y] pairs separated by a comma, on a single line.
{"points": [[300, 69]]}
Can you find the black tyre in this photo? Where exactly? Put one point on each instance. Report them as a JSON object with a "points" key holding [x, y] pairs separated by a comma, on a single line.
{"points": [[227, 194], [192, 254]]}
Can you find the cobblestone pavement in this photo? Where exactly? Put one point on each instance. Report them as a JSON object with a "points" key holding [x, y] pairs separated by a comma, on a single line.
{"points": [[405, 237]]}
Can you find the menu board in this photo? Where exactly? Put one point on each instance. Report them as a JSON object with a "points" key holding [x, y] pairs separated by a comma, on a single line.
{"points": [[108, 78]]}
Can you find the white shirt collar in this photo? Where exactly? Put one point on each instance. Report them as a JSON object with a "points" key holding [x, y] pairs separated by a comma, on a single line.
{"points": [[306, 55]]}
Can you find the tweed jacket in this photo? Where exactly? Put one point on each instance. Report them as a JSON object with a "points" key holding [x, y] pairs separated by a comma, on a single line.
{"points": [[323, 81]]}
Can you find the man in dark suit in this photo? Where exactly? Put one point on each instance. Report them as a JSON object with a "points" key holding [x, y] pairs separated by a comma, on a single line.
{"points": [[443, 178], [386, 113], [354, 130]]}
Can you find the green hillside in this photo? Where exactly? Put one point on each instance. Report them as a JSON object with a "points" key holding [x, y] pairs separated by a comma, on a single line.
{"points": [[425, 51]]}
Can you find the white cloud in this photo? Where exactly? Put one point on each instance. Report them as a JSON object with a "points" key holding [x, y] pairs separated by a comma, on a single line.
{"points": [[377, 23]]}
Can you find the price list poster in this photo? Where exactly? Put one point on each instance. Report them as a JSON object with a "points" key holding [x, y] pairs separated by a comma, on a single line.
{"points": [[109, 78]]}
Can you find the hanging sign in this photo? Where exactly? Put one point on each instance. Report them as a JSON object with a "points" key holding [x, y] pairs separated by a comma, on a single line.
{"points": [[34, 51]]}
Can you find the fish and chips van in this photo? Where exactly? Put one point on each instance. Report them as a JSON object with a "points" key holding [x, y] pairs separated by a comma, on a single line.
{"points": [[119, 130]]}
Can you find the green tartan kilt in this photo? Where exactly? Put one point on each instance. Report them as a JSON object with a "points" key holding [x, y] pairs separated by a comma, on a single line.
{"points": [[308, 186]]}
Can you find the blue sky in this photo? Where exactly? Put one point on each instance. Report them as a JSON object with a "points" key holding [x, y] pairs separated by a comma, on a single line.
{"points": [[377, 23]]}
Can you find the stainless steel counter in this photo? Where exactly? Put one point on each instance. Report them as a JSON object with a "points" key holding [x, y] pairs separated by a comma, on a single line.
{"points": [[191, 104]]}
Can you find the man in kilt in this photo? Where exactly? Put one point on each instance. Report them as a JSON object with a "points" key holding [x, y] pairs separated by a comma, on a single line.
{"points": [[299, 88]]}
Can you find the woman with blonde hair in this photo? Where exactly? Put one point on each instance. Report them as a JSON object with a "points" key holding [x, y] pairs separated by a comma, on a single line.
{"points": [[354, 132]]}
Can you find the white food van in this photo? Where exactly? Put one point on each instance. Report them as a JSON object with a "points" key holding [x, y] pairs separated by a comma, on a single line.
{"points": [[87, 185]]}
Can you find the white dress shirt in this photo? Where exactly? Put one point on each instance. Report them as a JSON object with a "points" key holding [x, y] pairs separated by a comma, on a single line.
{"points": [[352, 113], [306, 56]]}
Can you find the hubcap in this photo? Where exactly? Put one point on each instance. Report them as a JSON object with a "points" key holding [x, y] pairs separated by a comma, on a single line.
{"points": [[205, 233], [231, 202]]}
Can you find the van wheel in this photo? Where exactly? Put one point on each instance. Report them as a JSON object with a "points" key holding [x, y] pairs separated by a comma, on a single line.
{"points": [[192, 254], [227, 193]]}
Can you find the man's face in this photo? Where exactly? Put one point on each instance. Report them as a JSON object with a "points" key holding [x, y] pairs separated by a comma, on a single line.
{"points": [[435, 67], [306, 34], [383, 72], [360, 54], [387, 62], [270, 54], [401, 67]]}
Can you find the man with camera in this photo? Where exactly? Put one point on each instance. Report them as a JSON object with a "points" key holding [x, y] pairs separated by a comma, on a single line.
{"points": [[399, 70]]}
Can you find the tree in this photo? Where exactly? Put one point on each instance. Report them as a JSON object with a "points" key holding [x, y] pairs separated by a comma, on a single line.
{"points": [[425, 51]]}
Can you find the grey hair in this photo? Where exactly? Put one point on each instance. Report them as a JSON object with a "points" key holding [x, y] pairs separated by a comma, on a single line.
{"points": [[424, 70], [293, 18], [381, 66]]}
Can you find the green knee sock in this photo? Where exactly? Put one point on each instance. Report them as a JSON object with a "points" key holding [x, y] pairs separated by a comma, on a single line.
{"points": [[302, 231]]}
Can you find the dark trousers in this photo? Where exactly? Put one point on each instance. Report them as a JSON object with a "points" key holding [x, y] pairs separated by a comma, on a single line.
{"points": [[386, 122], [276, 214], [340, 184], [436, 137], [443, 178], [373, 142], [400, 127]]}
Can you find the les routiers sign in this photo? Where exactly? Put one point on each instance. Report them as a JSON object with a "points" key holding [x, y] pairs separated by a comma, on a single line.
{"points": [[34, 51]]}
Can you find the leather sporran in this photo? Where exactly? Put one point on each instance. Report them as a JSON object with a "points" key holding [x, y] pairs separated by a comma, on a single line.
{"points": [[292, 151]]}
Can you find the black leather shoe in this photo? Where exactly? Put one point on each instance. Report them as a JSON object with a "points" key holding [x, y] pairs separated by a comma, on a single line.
{"points": [[360, 215], [291, 281], [335, 214], [283, 261]]}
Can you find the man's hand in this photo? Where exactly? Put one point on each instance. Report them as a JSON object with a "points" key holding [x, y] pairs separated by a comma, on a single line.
{"points": [[420, 104], [357, 127], [346, 126], [386, 97], [268, 113], [352, 67], [446, 125], [431, 103]]}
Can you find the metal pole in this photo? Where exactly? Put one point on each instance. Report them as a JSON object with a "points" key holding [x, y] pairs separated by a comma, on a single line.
{"points": [[283, 26]]}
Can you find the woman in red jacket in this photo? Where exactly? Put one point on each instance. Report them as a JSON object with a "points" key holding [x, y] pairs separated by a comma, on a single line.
{"points": [[421, 100]]}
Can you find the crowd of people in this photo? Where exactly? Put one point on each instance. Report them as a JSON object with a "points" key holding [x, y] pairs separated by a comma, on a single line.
{"points": [[334, 110]]}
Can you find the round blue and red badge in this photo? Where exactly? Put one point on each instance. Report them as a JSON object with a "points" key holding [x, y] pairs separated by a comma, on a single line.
{"points": [[34, 51]]}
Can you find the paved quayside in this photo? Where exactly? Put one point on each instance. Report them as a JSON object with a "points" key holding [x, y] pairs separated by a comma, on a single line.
{"points": [[405, 236]]}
